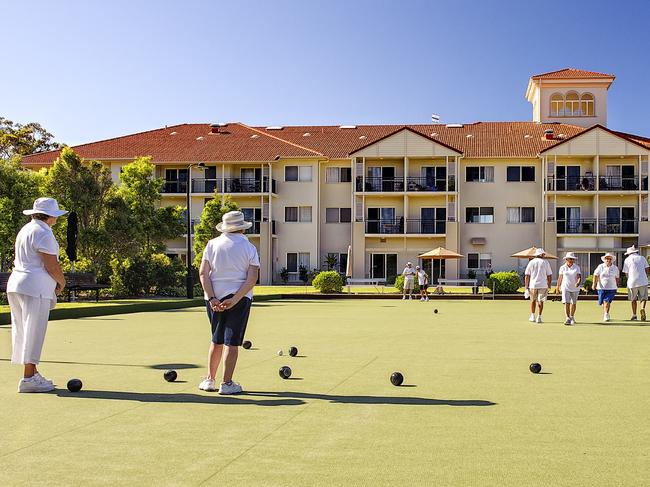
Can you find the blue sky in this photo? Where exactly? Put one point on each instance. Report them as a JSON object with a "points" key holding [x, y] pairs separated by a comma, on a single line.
{"points": [[89, 70]]}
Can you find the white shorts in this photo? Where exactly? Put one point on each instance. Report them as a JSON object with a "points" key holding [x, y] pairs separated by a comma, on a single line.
{"points": [[29, 317], [638, 293], [539, 295], [569, 297], [409, 283]]}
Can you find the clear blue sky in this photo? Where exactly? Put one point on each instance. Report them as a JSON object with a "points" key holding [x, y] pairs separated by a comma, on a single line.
{"points": [[93, 69]]}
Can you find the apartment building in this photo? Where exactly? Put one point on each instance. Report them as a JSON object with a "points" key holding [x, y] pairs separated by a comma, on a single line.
{"points": [[563, 180]]}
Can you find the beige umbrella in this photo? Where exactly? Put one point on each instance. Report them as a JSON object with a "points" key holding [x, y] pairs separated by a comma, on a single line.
{"points": [[348, 268], [529, 253], [440, 253]]}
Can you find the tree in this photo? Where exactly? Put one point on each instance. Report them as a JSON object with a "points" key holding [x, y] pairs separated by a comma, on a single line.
{"points": [[141, 192], [21, 140], [206, 229], [18, 190]]}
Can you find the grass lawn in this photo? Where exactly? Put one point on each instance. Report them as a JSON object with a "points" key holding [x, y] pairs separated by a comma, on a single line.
{"points": [[471, 413]]}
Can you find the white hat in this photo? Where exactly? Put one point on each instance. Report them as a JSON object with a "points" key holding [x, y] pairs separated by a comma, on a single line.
{"points": [[539, 252], [631, 250], [232, 222], [408, 263], [47, 206], [608, 255], [570, 255]]}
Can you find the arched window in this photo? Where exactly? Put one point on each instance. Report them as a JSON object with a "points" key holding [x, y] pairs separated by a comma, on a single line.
{"points": [[587, 105], [557, 105], [572, 105]]}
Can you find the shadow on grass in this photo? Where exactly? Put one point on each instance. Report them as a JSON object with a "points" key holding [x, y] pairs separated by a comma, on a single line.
{"points": [[173, 366], [616, 323], [185, 398], [398, 400], [105, 364]]}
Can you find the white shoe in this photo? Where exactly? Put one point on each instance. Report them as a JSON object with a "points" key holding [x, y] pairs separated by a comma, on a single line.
{"points": [[532, 318], [567, 321], [426, 298], [539, 319], [573, 320], [633, 318], [422, 299], [33, 384], [40, 378], [410, 297], [233, 388], [207, 385], [606, 317], [403, 298]]}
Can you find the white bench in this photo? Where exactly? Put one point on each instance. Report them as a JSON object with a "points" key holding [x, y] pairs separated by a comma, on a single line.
{"points": [[378, 284], [472, 283]]}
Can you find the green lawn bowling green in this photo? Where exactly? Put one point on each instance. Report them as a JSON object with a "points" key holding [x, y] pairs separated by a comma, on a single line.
{"points": [[470, 412]]}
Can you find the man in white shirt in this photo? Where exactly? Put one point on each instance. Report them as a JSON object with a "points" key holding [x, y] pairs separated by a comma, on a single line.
{"points": [[537, 281], [409, 280], [228, 273], [606, 278], [32, 288], [423, 282], [568, 283], [636, 269]]}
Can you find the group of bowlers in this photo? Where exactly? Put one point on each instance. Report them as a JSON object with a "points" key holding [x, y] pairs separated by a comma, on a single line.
{"points": [[410, 273], [229, 270], [606, 280]]}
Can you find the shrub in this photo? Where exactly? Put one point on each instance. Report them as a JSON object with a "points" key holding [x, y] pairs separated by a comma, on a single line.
{"points": [[145, 274], [284, 275], [303, 274], [328, 282], [504, 282], [399, 284], [588, 282]]}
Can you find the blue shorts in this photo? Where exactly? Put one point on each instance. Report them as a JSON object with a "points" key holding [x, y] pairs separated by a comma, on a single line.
{"points": [[606, 295], [229, 326]]}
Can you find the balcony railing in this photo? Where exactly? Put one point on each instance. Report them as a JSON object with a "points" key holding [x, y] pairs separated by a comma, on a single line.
{"points": [[380, 184], [389, 227], [571, 183], [175, 187], [232, 185], [619, 183], [591, 226], [425, 226], [255, 229], [430, 184]]}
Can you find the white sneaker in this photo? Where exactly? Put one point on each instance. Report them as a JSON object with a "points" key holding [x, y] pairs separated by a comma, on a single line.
{"points": [[539, 319], [403, 298], [633, 318], [40, 378], [410, 297], [207, 385], [230, 388], [567, 321], [573, 320], [32, 384], [422, 299], [532, 318], [606, 317], [426, 298]]}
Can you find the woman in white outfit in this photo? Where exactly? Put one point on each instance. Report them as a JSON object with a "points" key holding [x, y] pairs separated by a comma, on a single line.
{"points": [[568, 283], [32, 288]]}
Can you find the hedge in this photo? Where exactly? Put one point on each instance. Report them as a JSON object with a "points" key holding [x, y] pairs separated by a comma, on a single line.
{"points": [[399, 284], [328, 282], [504, 282]]}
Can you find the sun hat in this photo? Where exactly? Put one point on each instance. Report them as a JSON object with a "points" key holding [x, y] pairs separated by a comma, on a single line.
{"points": [[608, 254], [632, 250], [233, 221], [539, 252], [47, 206], [570, 255], [409, 263]]}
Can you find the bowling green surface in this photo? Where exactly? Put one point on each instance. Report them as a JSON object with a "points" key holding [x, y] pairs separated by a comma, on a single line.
{"points": [[469, 413]]}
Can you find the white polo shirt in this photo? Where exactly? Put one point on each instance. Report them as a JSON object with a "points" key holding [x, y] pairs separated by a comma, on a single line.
{"points": [[230, 255], [29, 275], [409, 272], [422, 278], [606, 276], [570, 277], [538, 269], [635, 266]]}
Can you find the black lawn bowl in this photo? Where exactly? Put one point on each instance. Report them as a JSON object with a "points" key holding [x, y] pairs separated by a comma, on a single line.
{"points": [[435, 310], [246, 344], [285, 372], [170, 375], [74, 385], [293, 351], [535, 368], [396, 378]]}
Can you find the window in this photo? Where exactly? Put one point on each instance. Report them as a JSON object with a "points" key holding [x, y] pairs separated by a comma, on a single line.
{"points": [[297, 214], [346, 215], [479, 261], [587, 105], [295, 260], [305, 214], [557, 105], [297, 173], [524, 214], [338, 215], [520, 173], [479, 174], [572, 105], [483, 214], [343, 263], [338, 175]]}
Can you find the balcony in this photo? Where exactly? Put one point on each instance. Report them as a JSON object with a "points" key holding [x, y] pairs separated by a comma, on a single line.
{"points": [[254, 230], [430, 184], [376, 185], [591, 226], [585, 182], [385, 227], [233, 185], [621, 183], [174, 187], [419, 226]]}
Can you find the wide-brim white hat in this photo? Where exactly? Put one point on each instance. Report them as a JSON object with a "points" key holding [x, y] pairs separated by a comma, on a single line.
{"points": [[608, 255], [233, 221], [632, 250], [539, 252], [47, 206], [570, 255]]}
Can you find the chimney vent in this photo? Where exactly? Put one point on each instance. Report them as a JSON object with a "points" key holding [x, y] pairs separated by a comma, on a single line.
{"points": [[548, 134]]}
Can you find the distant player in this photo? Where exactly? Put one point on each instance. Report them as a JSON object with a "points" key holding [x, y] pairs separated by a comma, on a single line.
{"points": [[409, 280], [537, 281], [606, 279], [636, 269], [423, 282], [568, 283]]}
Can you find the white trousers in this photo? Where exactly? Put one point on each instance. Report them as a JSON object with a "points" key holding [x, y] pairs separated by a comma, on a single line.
{"points": [[29, 317]]}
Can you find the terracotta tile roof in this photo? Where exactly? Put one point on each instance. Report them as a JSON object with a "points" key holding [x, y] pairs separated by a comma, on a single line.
{"points": [[571, 73], [238, 142], [635, 139]]}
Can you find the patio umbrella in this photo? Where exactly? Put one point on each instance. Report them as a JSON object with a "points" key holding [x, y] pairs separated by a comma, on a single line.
{"points": [[440, 253], [348, 267], [530, 252]]}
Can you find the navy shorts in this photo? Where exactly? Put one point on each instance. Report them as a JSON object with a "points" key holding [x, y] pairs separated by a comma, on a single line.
{"points": [[229, 326], [606, 295]]}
